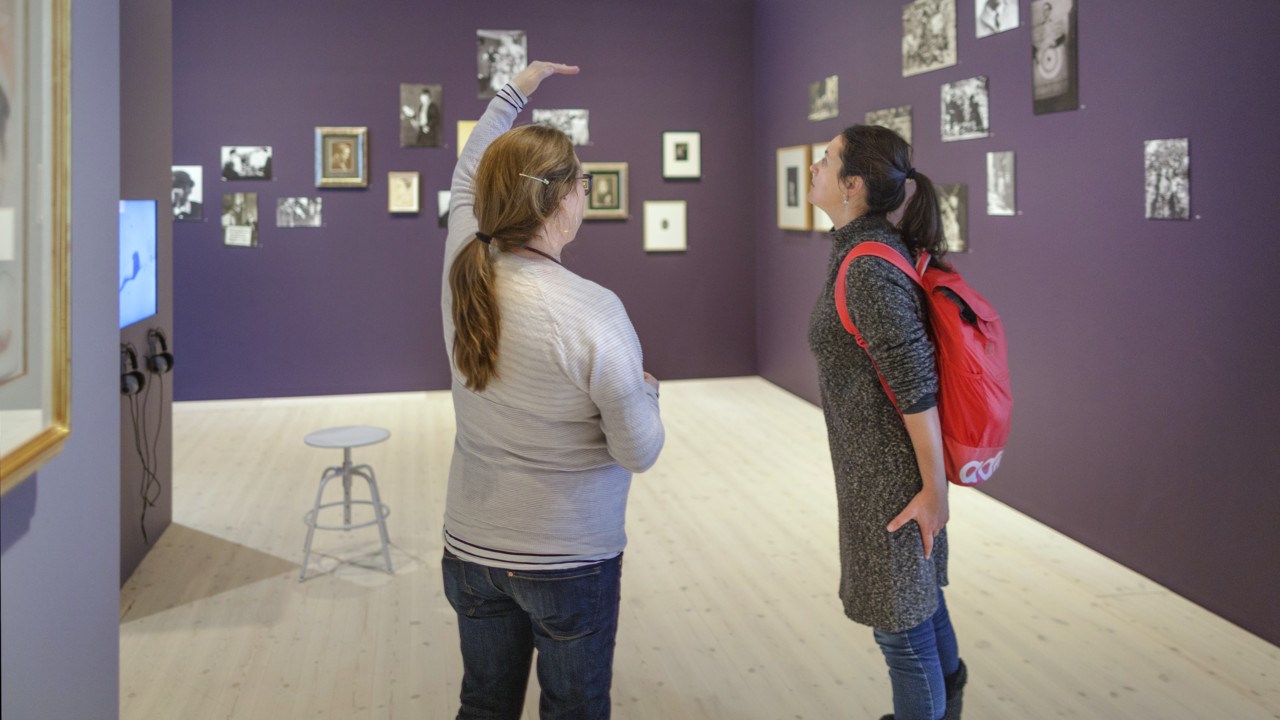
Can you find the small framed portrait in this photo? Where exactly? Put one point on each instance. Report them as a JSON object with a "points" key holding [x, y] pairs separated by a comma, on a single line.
{"points": [[824, 98], [187, 195], [421, 107], [442, 207], [402, 192], [821, 220], [966, 112], [240, 219], [793, 188], [681, 154], [342, 157], [464, 133], [246, 162], [664, 226], [608, 198]]}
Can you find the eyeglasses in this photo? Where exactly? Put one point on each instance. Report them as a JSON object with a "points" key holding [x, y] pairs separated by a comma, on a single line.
{"points": [[586, 182]]}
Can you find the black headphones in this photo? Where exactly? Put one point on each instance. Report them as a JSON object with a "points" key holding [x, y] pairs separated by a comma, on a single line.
{"points": [[159, 361], [131, 378]]}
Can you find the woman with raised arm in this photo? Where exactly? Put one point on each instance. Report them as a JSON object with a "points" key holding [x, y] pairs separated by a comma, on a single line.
{"points": [[891, 485], [554, 413]]}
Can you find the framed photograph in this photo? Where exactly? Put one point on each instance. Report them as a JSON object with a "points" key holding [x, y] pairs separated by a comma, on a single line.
{"points": [[442, 207], [664, 226], [299, 212], [821, 220], [994, 16], [246, 162], [421, 110], [824, 98], [342, 157], [953, 202], [928, 36], [240, 219], [1055, 79], [1168, 179], [681, 154], [1000, 195], [402, 192], [793, 188], [464, 133], [500, 55], [897, 119], [608, 198], [35, 363], [966, 110], [187, 195], [570, 122]]}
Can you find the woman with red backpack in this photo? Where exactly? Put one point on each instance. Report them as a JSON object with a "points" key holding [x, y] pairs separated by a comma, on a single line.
{"points": [[882, 417]]}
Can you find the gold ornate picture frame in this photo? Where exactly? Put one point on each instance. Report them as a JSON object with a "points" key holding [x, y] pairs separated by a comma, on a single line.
{"points": [[608, 198], [35, 185], [342, 157]]}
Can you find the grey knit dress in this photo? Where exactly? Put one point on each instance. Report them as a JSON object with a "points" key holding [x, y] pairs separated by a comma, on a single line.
{"points": [[885, 580]]}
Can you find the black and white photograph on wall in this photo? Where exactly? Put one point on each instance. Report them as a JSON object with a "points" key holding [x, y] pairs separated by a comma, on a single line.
{"points": [[574, 123], [793, 188], [824, 98], [187, 195], [953, 204], [421, 108], [402, 191], [500, 55], [1055, 80], [1000, 196], [608, 198], [240, 219], [442, 207], [682, 154], [1168, 165], [299, 212], [965, 110], [995, 16], [246, 162], [897, 119], [665, 226], [928, 36]]}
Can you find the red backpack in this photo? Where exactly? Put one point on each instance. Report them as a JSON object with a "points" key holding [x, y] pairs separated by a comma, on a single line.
{"points": [[974, 398]]}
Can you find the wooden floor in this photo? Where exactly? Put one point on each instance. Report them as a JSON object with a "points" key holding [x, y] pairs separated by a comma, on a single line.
{"points": [[728, 608]]}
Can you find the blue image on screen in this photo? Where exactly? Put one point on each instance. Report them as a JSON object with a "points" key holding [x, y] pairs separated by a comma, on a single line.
{"points": [[137, 260]]}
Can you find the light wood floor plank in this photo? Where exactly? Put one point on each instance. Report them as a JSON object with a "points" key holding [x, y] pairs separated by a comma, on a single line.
{"points": [[729, 580]]}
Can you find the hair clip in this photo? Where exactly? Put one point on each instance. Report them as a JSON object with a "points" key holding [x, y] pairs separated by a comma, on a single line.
{"points": [[544, 181]]}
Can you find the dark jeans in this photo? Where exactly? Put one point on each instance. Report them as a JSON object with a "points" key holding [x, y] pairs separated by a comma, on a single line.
{"points": [[570, 616], [918, 660]]}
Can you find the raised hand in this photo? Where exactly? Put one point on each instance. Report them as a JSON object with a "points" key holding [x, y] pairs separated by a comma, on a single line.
{"points": [[532, 76]]}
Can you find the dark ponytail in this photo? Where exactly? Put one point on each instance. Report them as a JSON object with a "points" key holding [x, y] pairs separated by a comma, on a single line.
{"points": [[882, 159]]}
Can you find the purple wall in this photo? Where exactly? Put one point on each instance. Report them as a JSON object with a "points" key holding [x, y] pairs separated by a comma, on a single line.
{"points": [[1143, 352], [60, 648], [353, 307], [146, 125]]}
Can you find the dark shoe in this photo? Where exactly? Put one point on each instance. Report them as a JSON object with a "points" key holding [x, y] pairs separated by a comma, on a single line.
{"points": [[887, 717], [955, 683]]}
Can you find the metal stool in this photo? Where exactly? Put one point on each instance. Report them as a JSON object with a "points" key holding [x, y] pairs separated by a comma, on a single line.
{"points": [[346, 438]]}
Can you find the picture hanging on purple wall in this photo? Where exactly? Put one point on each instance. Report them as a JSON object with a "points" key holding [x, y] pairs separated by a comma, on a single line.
{"points": [[442, 207], [1054, 44], [1000, 195], [1168, 175], [897, 119], [965, 110], [299, 212], [240, 219], [402, 191], [994, 16], [241, 162], [187, 195], [928, 36], [953, 204], [574, 123], [500, 55], [824, 98], [793, 188], [421, 107], [682, 154]]}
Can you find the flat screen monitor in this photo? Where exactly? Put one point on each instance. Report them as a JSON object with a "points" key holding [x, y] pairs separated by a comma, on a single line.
{"points": [[137, 261]]}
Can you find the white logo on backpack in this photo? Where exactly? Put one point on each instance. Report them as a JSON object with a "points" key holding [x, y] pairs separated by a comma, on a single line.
{"points": [[980, 471]]}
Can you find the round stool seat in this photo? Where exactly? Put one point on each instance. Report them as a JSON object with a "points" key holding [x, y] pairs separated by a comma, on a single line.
{"points": [[348, 436]]}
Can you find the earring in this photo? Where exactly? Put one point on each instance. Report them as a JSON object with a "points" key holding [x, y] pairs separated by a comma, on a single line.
{"points": [[846, 200]]}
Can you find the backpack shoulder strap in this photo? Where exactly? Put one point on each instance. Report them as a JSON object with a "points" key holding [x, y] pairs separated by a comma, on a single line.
{"points": [[874, 249]]}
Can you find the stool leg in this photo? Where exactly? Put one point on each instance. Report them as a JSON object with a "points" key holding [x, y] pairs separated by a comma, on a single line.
{"points": [[367, 473], [346, 486], [315, 518]]}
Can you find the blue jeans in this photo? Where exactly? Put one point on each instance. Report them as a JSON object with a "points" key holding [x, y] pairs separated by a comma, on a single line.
{"points": [[570, 616], [918, 660]]}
